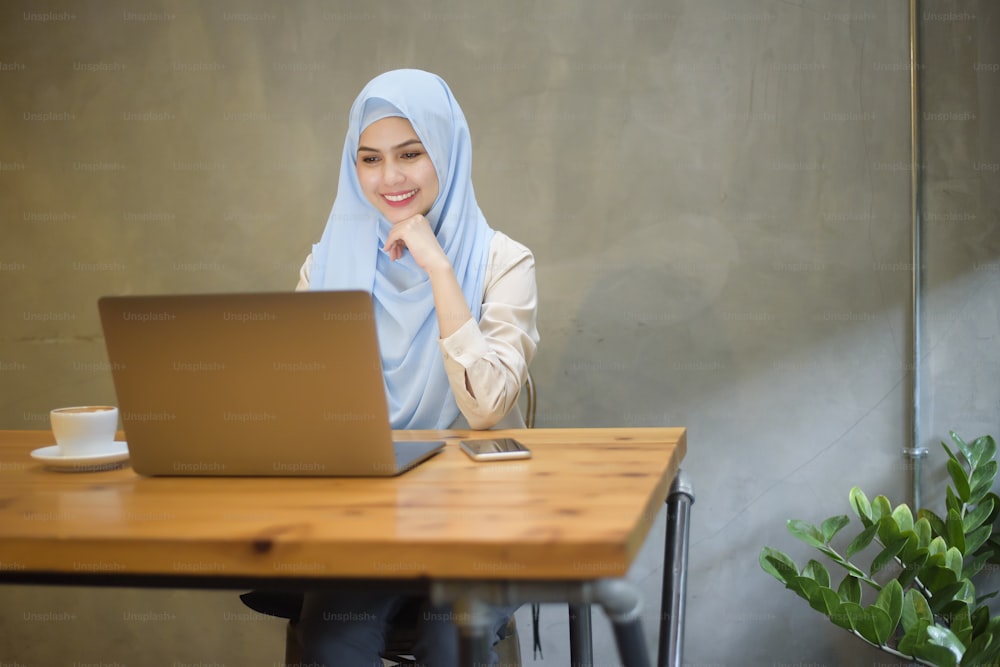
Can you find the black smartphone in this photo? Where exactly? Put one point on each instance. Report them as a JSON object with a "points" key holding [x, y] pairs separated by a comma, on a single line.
{"points": [[495, 449]]}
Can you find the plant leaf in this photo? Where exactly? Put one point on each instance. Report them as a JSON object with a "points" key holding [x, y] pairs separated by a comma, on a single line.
{"points": [[832, 526], [989, 448], [911, 549], [962, 446], [988, 596], [983, 448], [961, 626], [881, 623], [854, 612], [912, 568], [981, 480], [850, 589], [880, 508], [805, 587], [840, 618], [777, 564], [890, 600], [976, 517], [826, 601], [996, 507], [977, 538], [806, 532], [953, 559], [947, 599], [863, 621], [859, 501], [935, 522], [975, 566], [944, 638], [888, 529], [959, 479], [978, 653], [912, 637], [937, 546], [955, 536], [951, 454], [886, 556], [862, 540], [951, 501], [939, 656], [923, 530], [815, 571], [980, 620], [915, 611], [903, 518], [985, 648], [937, 577]]}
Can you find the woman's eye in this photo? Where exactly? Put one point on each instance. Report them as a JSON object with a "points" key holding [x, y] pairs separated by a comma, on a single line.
{"points": [[370, 159], [410, 156]]}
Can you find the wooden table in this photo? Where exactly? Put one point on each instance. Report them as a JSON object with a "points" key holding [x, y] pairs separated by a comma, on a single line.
{"points": [[575, 514]]}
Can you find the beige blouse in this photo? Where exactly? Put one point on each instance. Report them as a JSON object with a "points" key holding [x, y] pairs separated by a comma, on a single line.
{"points": [[491, 359]]}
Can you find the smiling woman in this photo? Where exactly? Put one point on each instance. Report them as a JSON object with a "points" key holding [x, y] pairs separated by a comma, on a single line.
{"points": [[455, 306]]}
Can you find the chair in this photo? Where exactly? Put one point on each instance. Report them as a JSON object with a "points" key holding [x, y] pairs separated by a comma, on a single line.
{"points": [[403, 634]]}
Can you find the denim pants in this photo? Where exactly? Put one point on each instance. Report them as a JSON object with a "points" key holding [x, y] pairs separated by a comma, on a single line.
{"points": [[339, 629]]}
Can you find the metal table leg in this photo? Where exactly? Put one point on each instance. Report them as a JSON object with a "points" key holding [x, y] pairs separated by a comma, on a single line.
{"points": [[581, 643], [675, 558], [622, 602], [620, 599]]}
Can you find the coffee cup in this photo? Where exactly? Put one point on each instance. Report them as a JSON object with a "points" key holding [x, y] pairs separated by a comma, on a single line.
{"points": [[85, 430]]}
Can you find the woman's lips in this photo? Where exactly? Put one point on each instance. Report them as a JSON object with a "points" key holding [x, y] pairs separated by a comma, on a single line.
{"points": [[399, 199]]}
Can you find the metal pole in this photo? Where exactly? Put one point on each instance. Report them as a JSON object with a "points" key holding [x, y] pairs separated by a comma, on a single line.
{"points": [[581, 642], [914, 453], [675, 563]]}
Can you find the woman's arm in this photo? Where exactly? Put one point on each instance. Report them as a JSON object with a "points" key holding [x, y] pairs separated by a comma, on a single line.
{"points": [[487, 362]]}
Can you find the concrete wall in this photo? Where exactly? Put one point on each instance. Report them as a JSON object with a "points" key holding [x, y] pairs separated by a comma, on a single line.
{"points": [[717, 195]]}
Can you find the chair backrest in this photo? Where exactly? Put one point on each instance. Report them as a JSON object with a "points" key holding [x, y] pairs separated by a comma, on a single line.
{"points": [[532, 398]]}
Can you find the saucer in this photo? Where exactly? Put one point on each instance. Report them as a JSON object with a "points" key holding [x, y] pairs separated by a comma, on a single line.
{"points": [[108, 460]]}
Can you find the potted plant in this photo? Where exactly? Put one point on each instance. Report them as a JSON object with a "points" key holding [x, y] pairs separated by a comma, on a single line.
{"points": [[916, 599]]}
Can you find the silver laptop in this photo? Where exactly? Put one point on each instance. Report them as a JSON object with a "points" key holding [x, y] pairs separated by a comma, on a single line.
{"points": [[282, 383]]}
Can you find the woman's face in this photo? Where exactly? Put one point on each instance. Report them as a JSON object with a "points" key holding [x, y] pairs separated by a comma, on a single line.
{"points": [[395, 171]]}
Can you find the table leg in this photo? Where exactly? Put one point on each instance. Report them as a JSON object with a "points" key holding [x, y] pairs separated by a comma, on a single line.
{"points": [[581, 645], [620, 599], [675, 562], [474, 619]]}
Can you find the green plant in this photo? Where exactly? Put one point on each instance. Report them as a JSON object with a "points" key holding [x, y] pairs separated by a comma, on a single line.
{"points": [[925, 608]]}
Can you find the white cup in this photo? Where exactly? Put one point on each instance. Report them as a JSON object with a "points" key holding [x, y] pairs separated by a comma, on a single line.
{"points": [[84, 430]]}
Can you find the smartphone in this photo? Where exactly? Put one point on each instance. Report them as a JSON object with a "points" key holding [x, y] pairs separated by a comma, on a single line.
{"points": [[495, 449]]}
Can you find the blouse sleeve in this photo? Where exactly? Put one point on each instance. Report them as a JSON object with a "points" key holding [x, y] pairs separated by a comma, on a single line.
{"points": [[304, 275], [488, 363]]}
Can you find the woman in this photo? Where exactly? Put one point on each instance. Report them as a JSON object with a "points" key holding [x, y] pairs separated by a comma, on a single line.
{"points": [[454, 303]]}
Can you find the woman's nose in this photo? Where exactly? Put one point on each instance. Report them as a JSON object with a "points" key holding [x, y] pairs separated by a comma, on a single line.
{"points": [[391, 173]]}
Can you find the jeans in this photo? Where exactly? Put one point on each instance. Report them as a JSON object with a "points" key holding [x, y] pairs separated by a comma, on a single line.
{"points": [[350, 630]]}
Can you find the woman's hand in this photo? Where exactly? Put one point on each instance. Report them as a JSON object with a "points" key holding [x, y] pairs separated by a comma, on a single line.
{"points": [[415, 234]]}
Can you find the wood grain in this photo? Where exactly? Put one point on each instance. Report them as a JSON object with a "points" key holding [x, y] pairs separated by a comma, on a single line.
{"points": [[579, 509]]}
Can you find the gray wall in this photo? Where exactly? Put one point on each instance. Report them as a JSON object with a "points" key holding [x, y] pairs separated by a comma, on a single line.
{"points": [[717, 195]]}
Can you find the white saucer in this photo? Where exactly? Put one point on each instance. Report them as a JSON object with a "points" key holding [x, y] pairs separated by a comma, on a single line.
{"points": [[108, 460]]}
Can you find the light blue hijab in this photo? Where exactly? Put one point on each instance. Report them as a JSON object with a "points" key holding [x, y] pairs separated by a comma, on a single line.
{"points": [[349, 254]]}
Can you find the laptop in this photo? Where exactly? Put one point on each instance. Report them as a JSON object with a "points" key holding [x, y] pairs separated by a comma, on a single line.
{"points": [[279, 384]]}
